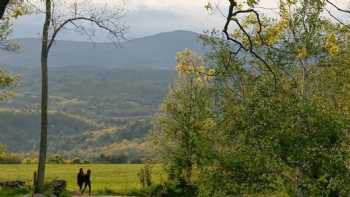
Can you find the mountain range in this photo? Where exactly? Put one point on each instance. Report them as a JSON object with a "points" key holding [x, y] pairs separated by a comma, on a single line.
{"points": [[157, 51]]}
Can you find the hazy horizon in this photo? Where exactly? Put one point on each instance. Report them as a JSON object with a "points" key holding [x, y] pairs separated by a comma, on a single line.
{"points": [[108, 41]]}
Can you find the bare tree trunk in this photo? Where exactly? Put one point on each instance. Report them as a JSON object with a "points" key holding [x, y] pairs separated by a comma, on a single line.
{"points": [[3, 5], [44, 99]]}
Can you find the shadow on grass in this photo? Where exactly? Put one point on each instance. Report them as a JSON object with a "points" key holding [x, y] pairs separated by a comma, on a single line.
{"points": [[13, 192], [110, 192]]}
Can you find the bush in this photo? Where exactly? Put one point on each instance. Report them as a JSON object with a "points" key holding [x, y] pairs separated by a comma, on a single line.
{"points": [[86, 162], [76, 161]]}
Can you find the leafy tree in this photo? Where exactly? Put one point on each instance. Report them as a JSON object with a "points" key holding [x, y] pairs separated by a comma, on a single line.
{"points": [[6, 19], [281, 128], [281, 112], [16, 8], [278, 142], [185, 115], [251, 42]]}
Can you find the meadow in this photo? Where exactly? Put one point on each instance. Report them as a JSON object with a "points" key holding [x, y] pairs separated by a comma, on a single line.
{"points": [[118, 178]]}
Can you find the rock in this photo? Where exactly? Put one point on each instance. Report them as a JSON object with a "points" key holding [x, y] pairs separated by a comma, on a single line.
{"points": [[13, 184], [58, 186]]}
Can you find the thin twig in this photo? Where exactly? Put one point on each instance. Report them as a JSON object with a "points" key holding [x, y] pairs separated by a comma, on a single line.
{"points": [[337, 7]]}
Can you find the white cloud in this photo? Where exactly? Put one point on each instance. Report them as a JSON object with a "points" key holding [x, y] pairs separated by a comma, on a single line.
{"points": [[167, 15], [166, 4]]}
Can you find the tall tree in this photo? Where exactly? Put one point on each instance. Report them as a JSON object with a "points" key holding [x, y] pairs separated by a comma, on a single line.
{"points": [[107, 18], [44, 98]]}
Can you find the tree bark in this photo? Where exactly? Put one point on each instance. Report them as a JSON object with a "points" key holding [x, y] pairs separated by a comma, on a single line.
{"points": [[3, 5], [44, 99]]}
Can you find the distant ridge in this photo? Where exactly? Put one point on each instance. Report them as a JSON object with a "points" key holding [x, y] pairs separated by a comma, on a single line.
{"points": [[157, 51]]}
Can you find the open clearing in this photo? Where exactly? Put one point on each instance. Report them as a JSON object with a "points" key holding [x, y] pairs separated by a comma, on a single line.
{"points": [[120, 178]]}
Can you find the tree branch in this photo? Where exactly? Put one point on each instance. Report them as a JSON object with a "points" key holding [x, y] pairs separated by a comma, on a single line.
{"points": [[100, 24], [231, 17], [3, 5], [337, 19], [77, 15]]}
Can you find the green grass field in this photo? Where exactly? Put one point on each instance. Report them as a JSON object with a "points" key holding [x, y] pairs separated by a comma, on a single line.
{"points": [[120, 178]]}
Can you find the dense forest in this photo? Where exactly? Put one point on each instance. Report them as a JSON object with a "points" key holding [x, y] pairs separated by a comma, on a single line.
{"points": [[265, 112]]}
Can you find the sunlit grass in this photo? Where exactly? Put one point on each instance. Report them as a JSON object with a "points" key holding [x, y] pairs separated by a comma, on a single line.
{"points": [[120, 178]]}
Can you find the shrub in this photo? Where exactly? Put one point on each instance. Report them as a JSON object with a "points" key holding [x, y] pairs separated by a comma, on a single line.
{"points": [[145, 176]]}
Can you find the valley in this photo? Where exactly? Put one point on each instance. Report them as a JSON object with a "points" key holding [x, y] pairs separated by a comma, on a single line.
{"points": [[97, 111]]}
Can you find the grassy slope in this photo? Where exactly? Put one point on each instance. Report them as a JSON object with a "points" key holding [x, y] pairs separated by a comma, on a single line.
{"points": [[120, 178]]}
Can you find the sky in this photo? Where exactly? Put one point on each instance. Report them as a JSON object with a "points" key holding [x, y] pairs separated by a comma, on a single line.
{"points": [[148, 17], [143, 17]]}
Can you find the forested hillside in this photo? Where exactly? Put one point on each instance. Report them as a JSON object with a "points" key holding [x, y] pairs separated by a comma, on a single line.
{"points": [[100, 105], [112, 109]]}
